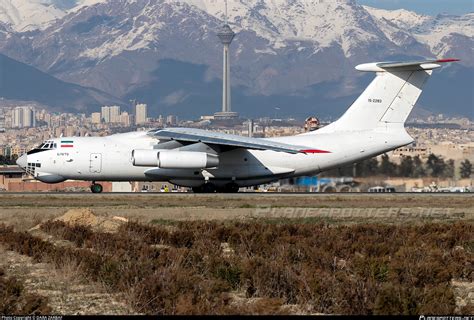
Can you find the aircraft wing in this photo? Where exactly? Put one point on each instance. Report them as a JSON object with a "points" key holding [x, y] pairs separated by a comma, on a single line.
{"points": [[222, 139]]}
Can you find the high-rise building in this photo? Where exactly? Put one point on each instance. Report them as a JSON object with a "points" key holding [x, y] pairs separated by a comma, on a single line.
{"points": [[250, 126], [172, 120], [110, 114], [226, 35], [140, 113], [105, 114], [161, 120], [17, 118], [96, 117], [23, 117], [114, 114], [70, 131], [125, 119]]}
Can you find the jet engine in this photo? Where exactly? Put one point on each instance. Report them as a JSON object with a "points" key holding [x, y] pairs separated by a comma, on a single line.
{"points": [[169, 159]]}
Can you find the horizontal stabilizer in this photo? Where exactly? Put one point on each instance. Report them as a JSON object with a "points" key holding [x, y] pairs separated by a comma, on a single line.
{"points": [[403, 66]]}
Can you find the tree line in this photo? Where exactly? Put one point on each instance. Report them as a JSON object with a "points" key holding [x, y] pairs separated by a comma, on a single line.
{"points": [[409, 167], [4, 160]]}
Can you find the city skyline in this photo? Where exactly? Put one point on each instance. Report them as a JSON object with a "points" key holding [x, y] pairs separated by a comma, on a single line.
{"points": [[270, 66]]}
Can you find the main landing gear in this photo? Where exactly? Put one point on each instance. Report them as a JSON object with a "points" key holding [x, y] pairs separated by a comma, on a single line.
{"points": [[205, 188], [96, 188], [211, 188], [230, 188]]}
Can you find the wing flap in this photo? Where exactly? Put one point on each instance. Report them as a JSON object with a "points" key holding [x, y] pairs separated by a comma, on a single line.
{"points": [[223, 139]]}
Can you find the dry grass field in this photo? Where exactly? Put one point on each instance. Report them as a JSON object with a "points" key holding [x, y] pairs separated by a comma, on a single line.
{"points": [[236, 254]]}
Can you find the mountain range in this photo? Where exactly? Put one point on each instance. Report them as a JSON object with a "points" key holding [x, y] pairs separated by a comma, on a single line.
{"points": [[294, 56]]}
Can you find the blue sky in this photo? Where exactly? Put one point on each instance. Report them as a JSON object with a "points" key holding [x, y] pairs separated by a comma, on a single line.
{"points": [[431, 7]]}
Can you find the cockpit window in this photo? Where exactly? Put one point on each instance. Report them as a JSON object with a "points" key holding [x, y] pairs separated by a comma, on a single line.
{"points": [[47, 145]]}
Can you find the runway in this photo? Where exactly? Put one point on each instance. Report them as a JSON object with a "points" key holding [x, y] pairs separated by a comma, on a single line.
{"points": [[307, 207], [249, 194]]}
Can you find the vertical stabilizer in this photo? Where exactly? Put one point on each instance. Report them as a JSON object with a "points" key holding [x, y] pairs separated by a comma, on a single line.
{"points": [[390, 97]]}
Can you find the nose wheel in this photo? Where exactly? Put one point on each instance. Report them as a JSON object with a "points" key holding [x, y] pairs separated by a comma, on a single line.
{"points": [[96, 188]]}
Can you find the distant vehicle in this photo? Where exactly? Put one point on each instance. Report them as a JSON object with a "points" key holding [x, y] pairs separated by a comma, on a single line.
{"points": [[382, 189], [454, 189], [209, 161]]}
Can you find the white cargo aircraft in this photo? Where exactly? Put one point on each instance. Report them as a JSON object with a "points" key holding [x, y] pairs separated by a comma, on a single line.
{"points": [[209, 162]]}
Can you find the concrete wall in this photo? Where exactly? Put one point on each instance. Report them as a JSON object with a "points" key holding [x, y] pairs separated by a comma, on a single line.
{"points": [[36, 186]]}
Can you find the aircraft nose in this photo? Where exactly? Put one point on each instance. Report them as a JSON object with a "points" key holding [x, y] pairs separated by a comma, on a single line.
{"points": [[21, 161]]}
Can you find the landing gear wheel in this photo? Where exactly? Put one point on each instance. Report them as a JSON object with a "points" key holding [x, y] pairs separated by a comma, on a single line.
{"points": [[96, 188], [205, 188], [230, 188], [208, 188], [197, 189]]}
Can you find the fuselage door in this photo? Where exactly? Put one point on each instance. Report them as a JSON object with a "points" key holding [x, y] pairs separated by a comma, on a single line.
{"points": [[95, 163]]}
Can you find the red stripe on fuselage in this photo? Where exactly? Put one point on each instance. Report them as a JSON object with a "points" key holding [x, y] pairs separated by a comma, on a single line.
{"points": [[67, 146], [314, 151], [447, 60]]}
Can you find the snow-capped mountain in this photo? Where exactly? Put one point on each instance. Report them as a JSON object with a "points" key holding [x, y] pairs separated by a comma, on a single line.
{"points": [[318, 22], [27, 15], [298, 48], [441, 34]]}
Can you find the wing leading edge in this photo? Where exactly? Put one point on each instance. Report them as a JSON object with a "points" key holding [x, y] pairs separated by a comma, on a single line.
{"points": [[223, 139]]}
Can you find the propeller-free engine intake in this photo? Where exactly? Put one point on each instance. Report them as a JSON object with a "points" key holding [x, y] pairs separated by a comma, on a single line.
{"points": [[167, 159]]}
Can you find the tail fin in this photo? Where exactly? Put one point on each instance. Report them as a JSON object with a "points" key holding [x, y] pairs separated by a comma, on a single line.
{"points": [[390, 97]]}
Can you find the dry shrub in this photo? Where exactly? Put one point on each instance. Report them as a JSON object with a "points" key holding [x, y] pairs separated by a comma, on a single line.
{"points": [[359, 269], [146, 233], [178, 291], [15, 301], [74, 233]]}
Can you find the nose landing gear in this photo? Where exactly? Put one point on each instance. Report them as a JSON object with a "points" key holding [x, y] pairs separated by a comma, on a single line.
{"points": [[96, 188]]}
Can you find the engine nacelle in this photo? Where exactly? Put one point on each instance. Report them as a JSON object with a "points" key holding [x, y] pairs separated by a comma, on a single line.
{"points": [[169, 159], [186, 160], [145, 158]]}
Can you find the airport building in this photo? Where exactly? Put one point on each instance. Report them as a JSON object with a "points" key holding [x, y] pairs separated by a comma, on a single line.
{"points": [[11, 179]]}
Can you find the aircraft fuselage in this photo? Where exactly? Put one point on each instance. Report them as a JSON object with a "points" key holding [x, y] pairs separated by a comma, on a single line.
{"points": [[110, 159]]}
